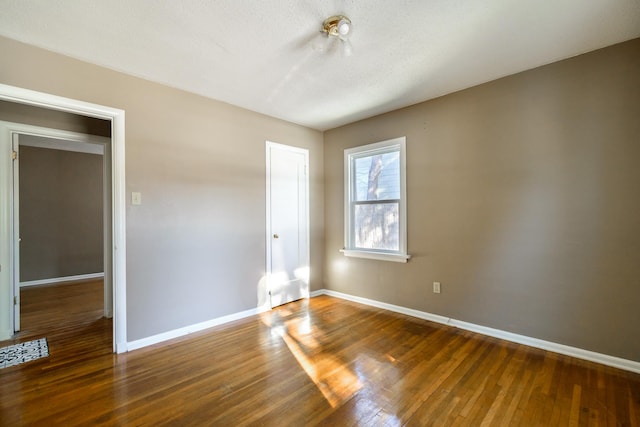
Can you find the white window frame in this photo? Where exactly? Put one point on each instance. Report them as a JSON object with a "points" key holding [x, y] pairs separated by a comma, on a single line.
{"points": [[349, 203]]}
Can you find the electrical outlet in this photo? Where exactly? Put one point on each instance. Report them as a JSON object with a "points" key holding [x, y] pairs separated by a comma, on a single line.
{"points": [[436, 287]]}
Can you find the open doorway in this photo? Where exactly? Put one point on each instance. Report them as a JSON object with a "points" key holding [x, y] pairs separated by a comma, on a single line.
{"points": [[62, 199], [116, 242], [62, 226]]}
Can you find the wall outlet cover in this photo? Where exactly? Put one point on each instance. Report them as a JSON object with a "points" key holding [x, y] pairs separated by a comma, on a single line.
{"points": [[436, 287]]}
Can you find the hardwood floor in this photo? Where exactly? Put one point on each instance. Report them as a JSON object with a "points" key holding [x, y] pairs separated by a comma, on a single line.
{"points": [[322, 361]]}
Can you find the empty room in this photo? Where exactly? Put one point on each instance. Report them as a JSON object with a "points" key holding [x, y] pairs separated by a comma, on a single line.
{"points": [[320, 213]]}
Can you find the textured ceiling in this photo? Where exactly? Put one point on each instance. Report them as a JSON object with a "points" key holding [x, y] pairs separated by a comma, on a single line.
{"points": [[258, 55]]}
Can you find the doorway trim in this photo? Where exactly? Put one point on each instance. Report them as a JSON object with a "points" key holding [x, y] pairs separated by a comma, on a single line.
{"points": [[118, 247]]}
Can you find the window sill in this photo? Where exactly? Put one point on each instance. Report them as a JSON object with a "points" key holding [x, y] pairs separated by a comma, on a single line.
{"points": [[375, 255]]}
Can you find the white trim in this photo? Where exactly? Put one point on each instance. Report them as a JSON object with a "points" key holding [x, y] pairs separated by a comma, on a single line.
{"points": [[391, 307], [107, 239], [401, 255], [52, 280], [121, 347], [604, 359], [117, 118], [380, 256], [579, 353], [169, 335], [65, 145]]}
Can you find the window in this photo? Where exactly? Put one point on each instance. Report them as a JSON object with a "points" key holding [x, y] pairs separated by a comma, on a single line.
{"points": [[375, 201]]}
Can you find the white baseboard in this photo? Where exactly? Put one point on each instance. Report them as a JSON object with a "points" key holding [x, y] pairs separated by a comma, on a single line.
{"points": [[62, 279], [155, 339], [121, 348], [616, 362]]}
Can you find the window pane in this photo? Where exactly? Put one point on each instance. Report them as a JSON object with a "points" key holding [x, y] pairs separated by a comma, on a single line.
{"points": [[377, 177], [376, 226]]}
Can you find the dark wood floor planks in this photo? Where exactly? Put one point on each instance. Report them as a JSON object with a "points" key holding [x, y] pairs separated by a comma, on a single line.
{"points": [[322, 361]]}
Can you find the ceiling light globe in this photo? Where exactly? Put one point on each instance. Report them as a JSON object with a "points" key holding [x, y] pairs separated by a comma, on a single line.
{"points": [[344, 27]]}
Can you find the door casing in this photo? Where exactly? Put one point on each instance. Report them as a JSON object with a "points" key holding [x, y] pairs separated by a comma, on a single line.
{"points": [[118, 220]]}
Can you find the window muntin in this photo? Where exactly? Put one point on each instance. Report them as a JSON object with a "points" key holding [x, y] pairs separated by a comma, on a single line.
{"points": [[375, 200]]}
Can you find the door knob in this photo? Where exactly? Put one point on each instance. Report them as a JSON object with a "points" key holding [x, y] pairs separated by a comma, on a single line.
{"points": [[275, 236]]}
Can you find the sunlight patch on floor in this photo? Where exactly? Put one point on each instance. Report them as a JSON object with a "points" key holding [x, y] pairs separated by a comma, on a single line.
{"points": [[335, 380]]}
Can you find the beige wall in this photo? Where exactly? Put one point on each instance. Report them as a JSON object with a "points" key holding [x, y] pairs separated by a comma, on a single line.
{"points": [[36, 116], [196, 245], [523, 200], [60, 213]]}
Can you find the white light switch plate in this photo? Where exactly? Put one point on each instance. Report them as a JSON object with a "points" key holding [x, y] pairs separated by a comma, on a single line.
{"points": [[136, 198]]}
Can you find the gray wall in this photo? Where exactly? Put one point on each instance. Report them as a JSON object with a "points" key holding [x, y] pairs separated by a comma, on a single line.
{"points": [[196, 245], [61, 207], [523, 200]]}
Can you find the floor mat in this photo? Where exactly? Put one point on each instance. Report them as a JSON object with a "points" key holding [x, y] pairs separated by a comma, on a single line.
{"points": [[23, 352]]}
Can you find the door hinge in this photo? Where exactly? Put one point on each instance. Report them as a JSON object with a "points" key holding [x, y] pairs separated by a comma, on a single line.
{"points": [[14, 155], [15, 300]]}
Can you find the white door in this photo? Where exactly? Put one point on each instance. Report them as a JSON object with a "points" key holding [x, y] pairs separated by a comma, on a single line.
{"points": [[287, 223]]}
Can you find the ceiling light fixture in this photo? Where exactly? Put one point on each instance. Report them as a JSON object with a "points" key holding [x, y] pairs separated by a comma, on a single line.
{"points": [[337, 26], [335, 29]]}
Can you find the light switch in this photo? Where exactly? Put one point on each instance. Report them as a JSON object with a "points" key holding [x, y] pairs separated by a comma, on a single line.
{"points": [[136, 198]]}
